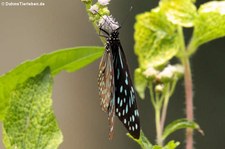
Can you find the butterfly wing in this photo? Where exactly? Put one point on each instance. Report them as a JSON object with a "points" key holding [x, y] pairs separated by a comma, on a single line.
{"points": [[125, 98], [106, 88]]}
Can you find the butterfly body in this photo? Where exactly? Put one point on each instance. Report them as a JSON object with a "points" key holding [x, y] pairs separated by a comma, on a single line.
{"points": [[117, 95]]}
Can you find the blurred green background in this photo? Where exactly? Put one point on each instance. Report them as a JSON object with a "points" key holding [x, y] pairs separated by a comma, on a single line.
{"points": [[28, 32]]}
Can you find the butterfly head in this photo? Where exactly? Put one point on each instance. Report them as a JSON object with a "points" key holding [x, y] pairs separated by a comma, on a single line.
{"points": [[114, 35], [108, 24]]}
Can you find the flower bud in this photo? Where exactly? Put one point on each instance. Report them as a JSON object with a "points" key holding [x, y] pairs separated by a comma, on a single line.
{"points": [[159, 88], [150, 72], [167, 73], [103, 2], [179, 69], [93, 9]]}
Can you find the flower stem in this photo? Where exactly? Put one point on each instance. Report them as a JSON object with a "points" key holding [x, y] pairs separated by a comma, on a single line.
{"points": [[189, 101], [164, 108], [158, 126], [188, 89], [152, 95], [157, 104]]}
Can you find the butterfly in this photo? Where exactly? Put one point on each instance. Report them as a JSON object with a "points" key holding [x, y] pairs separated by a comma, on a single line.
{"points": [[116, 91]]}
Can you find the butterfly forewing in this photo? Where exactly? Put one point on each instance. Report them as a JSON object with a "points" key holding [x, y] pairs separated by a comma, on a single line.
{"points": [[125, 99], [107, 88]]}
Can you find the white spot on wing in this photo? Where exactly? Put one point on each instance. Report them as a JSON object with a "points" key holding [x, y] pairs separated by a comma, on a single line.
{"points": [[124, 121], [136, 126], [121, 60], [117, 109], [121, 103]]}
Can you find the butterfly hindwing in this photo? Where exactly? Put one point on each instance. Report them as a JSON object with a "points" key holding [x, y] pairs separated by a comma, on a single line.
{"points": [[107, 88], [125, 98]]}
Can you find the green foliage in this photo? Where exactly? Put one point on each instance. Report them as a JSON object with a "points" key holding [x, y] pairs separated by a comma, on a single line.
{"points": [[142, 141], [145, 144], [25, 97], [179, 12], [209, 25], [179, 124], [156, 39], [70, 59], [30, 122], [25, 92], [170, 145], [159, 38], [140, 82]]}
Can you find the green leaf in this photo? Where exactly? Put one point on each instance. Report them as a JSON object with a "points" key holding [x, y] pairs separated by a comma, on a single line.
{"points": [[142, 141], [157, 147], [140, 82], [30, 122], [145, 144], [179, 12], [156, 40], [71, 59], [209, 25], [170, 145], [180, 124]]}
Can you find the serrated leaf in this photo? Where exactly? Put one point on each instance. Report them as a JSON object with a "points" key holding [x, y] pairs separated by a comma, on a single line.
{"points": [[30, 122], [179, 124], [140, 82], [142, 141], [70, 59], [156, 21], [156, 40], [179, 12], [210, 23]]}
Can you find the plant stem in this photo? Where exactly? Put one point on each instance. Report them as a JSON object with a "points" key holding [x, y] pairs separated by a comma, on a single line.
{"points": [[158, 105], [156, 102], [158, 126], [168, 93], [189, 101], [152, 95], [188, 89], [164, 109]]}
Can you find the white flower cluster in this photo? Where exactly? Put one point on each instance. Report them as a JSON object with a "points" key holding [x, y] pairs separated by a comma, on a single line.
{"points": [[151, 72], [167, 73], [105, 22], [108, 23], [95, 8]]}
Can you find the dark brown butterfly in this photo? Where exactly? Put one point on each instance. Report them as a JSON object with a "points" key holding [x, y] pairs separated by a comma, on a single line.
{"points": [[116, 90]]}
